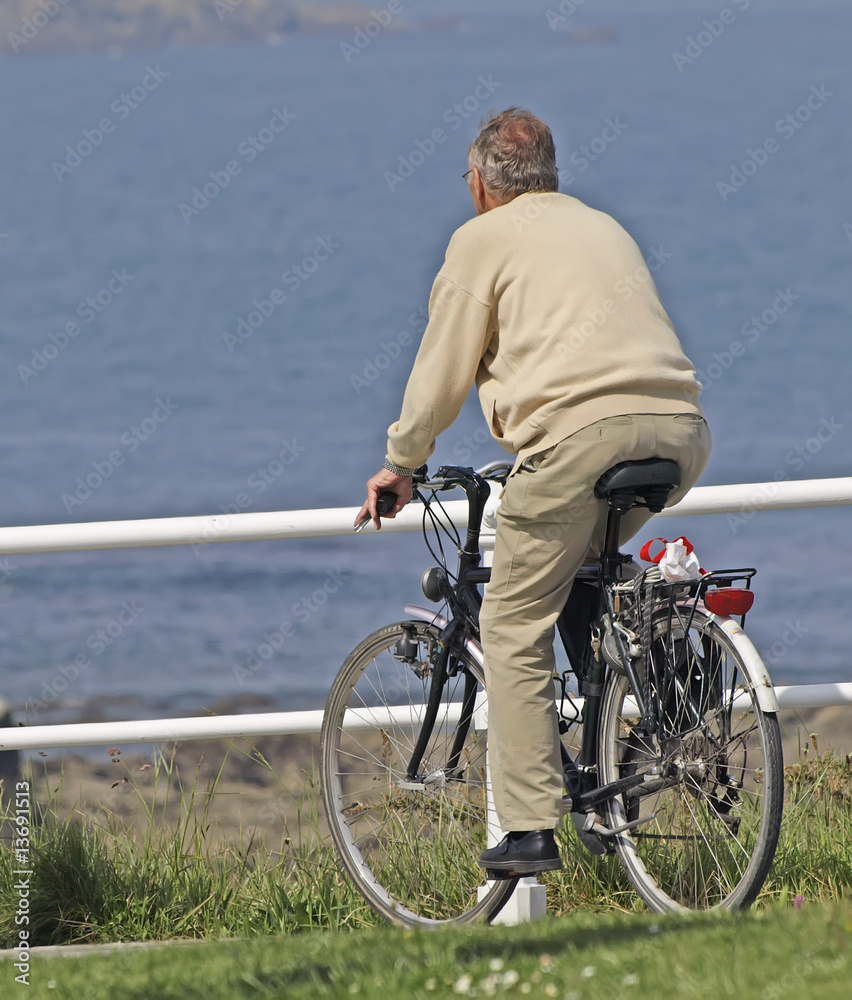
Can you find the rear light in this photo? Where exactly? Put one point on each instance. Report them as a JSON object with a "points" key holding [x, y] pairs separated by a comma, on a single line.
{"points": [[729, 600]]}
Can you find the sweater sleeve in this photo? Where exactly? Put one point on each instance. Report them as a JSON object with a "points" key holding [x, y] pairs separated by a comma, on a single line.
{"points": [[444, 370]]}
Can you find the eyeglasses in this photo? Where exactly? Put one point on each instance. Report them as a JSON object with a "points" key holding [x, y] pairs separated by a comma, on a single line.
{"points": [[467, 173]]}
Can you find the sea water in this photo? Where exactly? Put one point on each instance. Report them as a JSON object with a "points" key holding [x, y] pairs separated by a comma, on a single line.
{"points": [[214, 268]]}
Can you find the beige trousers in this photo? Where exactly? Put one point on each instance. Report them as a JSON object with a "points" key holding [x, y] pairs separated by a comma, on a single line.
{"points": [[548, 523]]}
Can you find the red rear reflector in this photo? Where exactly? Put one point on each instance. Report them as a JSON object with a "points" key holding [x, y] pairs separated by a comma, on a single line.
{"points": [[729, 600]]}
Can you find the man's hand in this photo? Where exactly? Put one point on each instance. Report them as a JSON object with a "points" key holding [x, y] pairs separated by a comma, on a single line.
{"points": [[384, 480]]}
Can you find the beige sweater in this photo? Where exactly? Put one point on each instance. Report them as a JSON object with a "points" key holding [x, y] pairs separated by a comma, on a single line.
{"points": [[549, 307]]}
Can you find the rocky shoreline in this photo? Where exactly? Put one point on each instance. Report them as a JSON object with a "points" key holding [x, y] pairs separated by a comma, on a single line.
{"points": [[37, 26]]}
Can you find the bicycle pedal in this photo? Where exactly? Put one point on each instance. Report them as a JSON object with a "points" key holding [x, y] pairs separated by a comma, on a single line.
{"points": [[496, 875], [605, 831], [588, 838]]}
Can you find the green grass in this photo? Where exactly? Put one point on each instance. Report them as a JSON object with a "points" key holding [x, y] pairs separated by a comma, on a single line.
{"points": [[103, 881], [769, 954]]}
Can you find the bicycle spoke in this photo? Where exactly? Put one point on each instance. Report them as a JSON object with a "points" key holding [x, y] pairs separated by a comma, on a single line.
{"points": [[718, 799], [410, 845]]}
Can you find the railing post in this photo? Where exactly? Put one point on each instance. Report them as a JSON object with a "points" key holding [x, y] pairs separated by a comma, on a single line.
{"points": [[529, 900], [10, 763]]}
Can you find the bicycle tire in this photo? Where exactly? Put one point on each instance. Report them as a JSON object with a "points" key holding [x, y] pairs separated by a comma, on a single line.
{"points": [[412, 852], [720, 783]]}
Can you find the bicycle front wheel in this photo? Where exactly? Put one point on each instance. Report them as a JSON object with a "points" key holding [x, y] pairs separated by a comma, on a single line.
{"points": [[708, 812], [411, 845]]}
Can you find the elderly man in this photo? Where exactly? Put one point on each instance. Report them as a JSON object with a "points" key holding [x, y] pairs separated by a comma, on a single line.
{"points": [[548, 306]]}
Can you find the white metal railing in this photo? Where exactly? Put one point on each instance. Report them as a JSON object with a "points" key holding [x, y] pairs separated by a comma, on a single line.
{"points": [[92, 734], [203, 530], [742, 498]]}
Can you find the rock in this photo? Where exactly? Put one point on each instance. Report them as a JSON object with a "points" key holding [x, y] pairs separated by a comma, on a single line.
{"points": [[122, 25]]}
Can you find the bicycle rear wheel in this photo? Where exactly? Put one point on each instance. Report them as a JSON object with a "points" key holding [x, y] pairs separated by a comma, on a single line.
{"points": [[411, 847], [714, 782]]}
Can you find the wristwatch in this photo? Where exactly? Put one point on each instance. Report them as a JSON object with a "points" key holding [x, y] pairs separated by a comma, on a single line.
{"points": [[397, 470]]}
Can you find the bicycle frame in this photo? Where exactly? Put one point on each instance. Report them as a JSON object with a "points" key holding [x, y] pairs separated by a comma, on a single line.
{"points": [[465, 600]]}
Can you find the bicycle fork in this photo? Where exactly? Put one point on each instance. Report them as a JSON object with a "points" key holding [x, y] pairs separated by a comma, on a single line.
{"points": [[438, 680]]}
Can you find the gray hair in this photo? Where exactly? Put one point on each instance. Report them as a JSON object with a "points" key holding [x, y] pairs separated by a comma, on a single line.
{"points": [[514, 153]]}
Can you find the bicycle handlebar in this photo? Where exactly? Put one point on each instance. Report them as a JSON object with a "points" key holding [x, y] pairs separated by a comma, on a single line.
{"points": [[498, 469], [449, 477], [477, 490]]}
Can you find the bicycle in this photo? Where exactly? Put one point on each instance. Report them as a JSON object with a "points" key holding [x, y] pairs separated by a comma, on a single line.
{"points": [[676, 768]]}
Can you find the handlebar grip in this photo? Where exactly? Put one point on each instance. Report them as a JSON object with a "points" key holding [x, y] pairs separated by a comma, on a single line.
{"points": [[385, 502]]}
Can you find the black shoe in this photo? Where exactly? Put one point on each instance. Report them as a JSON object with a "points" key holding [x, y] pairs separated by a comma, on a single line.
{"points": [[523, 853]]}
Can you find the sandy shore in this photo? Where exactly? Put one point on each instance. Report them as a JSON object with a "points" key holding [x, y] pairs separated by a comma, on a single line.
{"points": [[264, 790], [832, 726]]}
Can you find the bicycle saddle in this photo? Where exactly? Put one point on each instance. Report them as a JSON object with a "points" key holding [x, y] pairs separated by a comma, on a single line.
{"points": [[650, 478]]}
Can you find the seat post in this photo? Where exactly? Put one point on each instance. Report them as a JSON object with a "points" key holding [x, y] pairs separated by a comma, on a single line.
{"points": [[613, 530], [618, 504]]}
